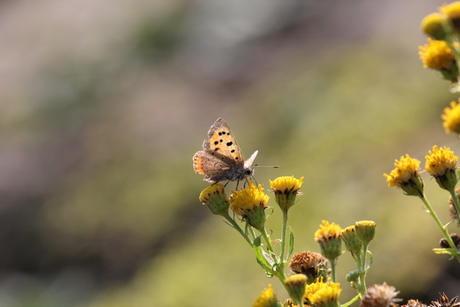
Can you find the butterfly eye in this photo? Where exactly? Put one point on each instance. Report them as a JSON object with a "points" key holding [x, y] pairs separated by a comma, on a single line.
{"points": [[248, 172]]}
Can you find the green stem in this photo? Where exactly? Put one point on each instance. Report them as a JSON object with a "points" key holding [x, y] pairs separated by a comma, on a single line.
{"points": [[283, 239], [456, 202], [238, 228], [351, 301], [333, 265], [363, 268], [440, 225]]}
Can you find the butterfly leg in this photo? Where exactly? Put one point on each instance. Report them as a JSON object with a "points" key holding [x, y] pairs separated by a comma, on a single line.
{"points": [[225, 185], [254, 178], [237, 184]]}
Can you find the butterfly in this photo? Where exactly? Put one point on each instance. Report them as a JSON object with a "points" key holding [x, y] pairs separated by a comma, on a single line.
{"points": [[221, 157]]}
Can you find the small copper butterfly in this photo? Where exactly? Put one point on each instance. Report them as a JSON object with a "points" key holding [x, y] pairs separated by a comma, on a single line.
{"points": [[221, 157]]}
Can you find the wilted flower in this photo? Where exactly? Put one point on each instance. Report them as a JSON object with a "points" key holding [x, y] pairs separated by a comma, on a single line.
{"points": [[311, 264], [379, 296]]}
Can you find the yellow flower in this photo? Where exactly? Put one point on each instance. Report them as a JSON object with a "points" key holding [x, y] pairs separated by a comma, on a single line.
{"points": [[286, 184], [432, 25], [286, 189], [215, 199], [452, 12], [267, 298], [328, 237], [436, 54], [244, 200], [440, 160], [327, 231], [405, 176], [451, 117], [250, 203], [322, 293], [441, 164]]}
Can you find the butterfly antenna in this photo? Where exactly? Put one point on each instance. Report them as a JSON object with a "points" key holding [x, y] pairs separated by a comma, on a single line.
{"points": [[272, 166]]}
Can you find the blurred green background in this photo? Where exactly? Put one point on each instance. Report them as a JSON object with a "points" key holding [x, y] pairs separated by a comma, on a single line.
{"points": [[104, 103]]}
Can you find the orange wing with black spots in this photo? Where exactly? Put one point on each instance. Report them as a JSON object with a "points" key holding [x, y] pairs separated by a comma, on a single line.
{"points": [[221, 142]]}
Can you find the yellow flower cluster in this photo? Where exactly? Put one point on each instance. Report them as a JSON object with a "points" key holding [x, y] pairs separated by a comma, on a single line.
{"points": [[327, 231], [440, 160], [436, 54], [451, 117], [244, 200], [406, 168], [321, 293]]}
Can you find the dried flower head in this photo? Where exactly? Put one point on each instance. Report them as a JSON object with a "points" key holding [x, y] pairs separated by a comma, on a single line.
{"points": [[286, 189], [455, 238], [451, 118], [379, 296], [311, 264], [436, 54], [444, 301], [405, 176], [414, 303], [250, 203], [322, 294], [432, 25], [441, 163], [215, 199], [267, 298]]}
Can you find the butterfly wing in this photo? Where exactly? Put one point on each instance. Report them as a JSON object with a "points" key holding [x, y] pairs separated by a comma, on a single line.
{"points": [[221, 143], [213, 168]]}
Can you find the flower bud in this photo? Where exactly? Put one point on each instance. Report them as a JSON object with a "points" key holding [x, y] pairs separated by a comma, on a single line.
{"points": [[365, 230], [215, 199], [351, 240], [295, 285], [432, 25]]}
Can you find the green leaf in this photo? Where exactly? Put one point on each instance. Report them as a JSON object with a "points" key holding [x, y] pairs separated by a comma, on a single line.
{"points": [[291, 244], [262, 261]]}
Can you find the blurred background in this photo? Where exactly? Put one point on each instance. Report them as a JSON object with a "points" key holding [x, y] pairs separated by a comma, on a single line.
{"points": [[103, 104]]}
